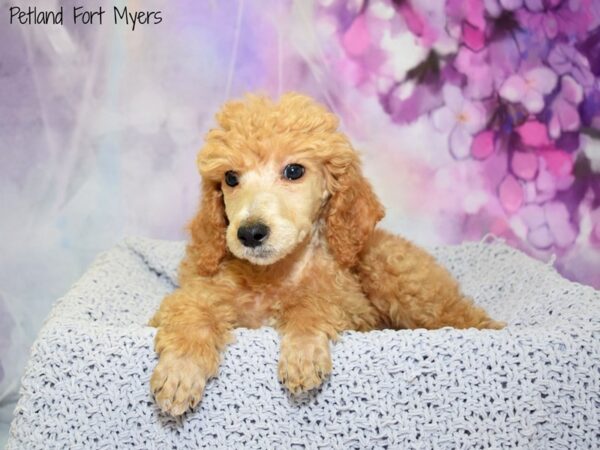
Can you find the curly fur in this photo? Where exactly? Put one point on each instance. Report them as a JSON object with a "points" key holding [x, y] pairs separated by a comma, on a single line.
{"points": [[352, 214], [326, 270], [207, 246]]}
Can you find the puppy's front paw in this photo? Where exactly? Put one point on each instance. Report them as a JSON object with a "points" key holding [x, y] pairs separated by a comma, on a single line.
{"points": [[177, 383], [304, 362], [493, 325]]}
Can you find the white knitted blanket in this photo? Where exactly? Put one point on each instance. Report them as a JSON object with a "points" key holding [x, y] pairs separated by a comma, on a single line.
{"points": [[535, 384]]}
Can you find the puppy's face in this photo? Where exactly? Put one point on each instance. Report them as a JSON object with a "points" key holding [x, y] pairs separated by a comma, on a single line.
{"points": [[271, 206], [270, 171]]}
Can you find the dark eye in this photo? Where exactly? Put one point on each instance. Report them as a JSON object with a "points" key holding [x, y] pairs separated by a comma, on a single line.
{"points": [[231, 178], [293, 171]]}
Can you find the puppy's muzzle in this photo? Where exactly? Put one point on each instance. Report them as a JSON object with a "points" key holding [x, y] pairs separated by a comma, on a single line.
{"points": [[253, 235]]}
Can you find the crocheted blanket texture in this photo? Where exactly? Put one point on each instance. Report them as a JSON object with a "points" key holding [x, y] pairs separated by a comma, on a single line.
{"points": [[535, 384]]}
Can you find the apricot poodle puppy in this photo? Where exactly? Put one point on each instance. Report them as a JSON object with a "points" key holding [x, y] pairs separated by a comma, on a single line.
{"points": [[285, 236]]}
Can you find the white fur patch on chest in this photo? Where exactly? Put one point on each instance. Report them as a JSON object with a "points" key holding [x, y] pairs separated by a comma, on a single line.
{"points": [[299, 269]]}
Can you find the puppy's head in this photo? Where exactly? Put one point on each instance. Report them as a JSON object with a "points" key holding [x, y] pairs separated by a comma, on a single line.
{"points": [[270, 172]]}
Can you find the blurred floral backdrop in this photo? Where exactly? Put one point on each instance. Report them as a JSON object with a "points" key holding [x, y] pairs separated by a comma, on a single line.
{"points": [[473, 117]]}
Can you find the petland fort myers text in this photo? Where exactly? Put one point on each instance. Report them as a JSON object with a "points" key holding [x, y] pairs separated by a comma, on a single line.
{"points": [[80, 15]]}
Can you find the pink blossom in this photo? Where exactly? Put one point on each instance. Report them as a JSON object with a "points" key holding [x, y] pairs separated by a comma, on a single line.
{"points": [[529, 89], [476, 67], [459, 117], [510, 194], [565, 116], [533, 134], [483, 145], [471, 11], [473, 37], [427, 19], [466, 21], [558, 162], [554, 174], [524, 165], [357, 39], [460, 61]]}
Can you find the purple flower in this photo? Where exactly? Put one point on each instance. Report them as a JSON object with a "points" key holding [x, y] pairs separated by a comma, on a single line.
{"points": [[556, 17], [512, 85], [427, 19], [565, 116], [549, 224], [565, 59], [534, 219], [478, 70], [540, 5], [590, 109], [495, 7], [554, 174], [568, 141], [488, 68], [591, 49], [459, 117], [529, 89], [409, 100]]}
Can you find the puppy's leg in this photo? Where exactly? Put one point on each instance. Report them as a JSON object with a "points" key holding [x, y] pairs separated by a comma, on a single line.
{"points": [[304, 362], [192, 330], [305, 358], [408, 286]]}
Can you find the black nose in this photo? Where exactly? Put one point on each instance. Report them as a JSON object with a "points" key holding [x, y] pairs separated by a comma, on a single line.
{"points": [[253, 235]]}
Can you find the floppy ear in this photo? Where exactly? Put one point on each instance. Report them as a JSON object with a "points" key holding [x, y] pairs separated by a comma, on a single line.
{"points": [[352, 214], [207, 247]]}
